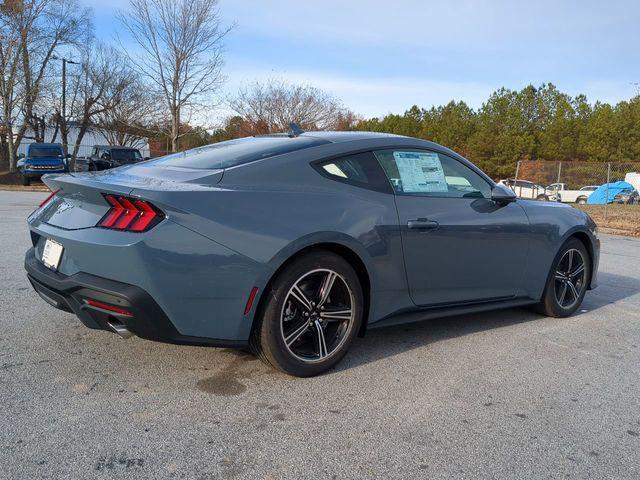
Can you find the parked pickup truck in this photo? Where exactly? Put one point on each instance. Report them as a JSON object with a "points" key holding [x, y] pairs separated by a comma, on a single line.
{"points": [[560, 193], [104, 157], [41, 158]]}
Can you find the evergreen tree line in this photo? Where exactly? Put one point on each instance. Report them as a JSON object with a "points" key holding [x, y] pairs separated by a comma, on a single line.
{"points": [[531, 124]]}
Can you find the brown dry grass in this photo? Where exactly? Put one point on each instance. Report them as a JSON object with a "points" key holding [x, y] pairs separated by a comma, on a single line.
{"points": [[621, 219], [13, 181]]}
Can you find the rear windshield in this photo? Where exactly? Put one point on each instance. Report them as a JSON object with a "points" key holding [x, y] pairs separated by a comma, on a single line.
{"points": [[125, 154], [236, 152], [40, 152]]}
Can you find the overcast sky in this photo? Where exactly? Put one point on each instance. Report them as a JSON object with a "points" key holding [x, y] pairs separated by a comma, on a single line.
{"points": [[384, 56]]}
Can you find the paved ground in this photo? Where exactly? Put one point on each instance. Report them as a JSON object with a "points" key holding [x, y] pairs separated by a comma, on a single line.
{"points": [[499, 395]]}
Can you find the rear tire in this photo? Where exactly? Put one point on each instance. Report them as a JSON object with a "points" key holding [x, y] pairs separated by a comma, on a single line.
{"points": [[567, 281], [581, 201], [312, 313]]}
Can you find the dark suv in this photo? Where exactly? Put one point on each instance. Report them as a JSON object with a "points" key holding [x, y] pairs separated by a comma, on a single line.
{"points": [[104, 157], [42, 158]]}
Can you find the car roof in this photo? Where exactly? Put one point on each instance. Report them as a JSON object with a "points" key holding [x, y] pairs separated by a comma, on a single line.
{"points": [[37, 144]]}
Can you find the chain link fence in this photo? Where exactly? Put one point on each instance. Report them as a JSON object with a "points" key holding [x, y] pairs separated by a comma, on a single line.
{"points": [[615, 207]]}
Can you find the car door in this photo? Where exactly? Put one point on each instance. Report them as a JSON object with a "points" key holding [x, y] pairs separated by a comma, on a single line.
{"points": [[459, 246]]}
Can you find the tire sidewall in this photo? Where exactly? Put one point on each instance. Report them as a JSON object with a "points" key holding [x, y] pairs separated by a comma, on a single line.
{"points": [[551, 305], [271, 342]]}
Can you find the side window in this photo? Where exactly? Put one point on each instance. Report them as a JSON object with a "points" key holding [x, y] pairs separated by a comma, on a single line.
{"points": [[360, 170], [431, 174]]}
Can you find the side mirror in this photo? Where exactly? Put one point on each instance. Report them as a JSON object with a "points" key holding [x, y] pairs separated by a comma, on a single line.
{"points": [[68, 155], [21, 155], [502, 195]]}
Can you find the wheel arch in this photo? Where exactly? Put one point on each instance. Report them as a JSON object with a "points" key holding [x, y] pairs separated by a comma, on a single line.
{"points": [[584, 238], [340, 249]]}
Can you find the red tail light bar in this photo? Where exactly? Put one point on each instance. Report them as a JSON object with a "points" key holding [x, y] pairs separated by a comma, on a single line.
{"points": [[46, 200], [110, 308], [130, 214]]}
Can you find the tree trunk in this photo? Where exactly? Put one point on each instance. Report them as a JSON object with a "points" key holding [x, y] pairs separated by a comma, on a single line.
{"points": [[12, 150], [83, 129], [4, 154], [175, 128], [64, 135], [54, 137]]}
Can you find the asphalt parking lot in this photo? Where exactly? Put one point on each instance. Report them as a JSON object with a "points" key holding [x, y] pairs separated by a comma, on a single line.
{"points": [[506, 394]]}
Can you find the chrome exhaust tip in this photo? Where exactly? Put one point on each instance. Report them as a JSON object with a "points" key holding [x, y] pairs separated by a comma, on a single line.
{"points": [[120, 329]]}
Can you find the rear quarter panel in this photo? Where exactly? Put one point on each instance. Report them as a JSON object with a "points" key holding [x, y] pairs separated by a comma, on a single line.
{"points": [[271, 209]]}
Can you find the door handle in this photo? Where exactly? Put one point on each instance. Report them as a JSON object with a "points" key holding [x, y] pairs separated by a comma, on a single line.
{"points": [[422, 224]]}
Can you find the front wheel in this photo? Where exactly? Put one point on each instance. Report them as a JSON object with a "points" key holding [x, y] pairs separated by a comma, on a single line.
{"points": [[567, 282], [581, 201], [312, 315], [26, 181]]}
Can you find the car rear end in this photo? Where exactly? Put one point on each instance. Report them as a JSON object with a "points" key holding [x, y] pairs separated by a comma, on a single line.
{"points": [[113, 254]]}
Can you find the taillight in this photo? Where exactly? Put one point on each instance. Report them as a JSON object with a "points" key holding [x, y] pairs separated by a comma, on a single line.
{"points": [[130, 214], [46, 200]]}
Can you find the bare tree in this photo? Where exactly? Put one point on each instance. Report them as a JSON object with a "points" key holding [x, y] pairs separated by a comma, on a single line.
{"points": [[271, 106], [181, 45], [10, 67], [98, 88], [131, 117], [30, 33]]}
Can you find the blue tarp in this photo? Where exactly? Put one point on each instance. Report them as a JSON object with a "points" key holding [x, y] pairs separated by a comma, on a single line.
{"points": [[600, 197]]}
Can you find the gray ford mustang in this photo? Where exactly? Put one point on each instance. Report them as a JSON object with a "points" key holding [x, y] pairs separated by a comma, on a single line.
{"points": [[293, 244]]}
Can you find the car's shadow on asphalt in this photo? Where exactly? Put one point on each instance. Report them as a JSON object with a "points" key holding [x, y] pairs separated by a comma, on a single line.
{"points": [[611, 288], [380, 343]]}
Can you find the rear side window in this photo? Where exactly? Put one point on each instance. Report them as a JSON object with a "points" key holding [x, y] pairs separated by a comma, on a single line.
{"points": [[236, 152], [360, 170]]}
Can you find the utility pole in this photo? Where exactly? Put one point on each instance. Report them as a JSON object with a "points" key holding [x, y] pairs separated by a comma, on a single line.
{"points": [[63, 120]]}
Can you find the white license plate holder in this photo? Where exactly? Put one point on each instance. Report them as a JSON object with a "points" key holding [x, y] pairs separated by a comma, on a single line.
{"points": [[51, 254]]}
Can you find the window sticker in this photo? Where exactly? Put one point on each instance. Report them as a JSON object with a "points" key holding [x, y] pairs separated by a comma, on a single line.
{"points": [[420, 172]]}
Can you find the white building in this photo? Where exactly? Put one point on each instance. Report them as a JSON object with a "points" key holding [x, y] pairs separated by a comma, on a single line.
{"points": [[93, 136]]}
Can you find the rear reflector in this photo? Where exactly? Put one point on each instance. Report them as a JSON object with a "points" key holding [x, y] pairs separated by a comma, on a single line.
{"points": [[130, 214], [252, 297], [46, 200], [111, 308]]}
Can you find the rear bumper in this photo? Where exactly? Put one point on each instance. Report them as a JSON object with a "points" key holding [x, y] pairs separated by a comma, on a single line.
{"points": [[144, 316]]}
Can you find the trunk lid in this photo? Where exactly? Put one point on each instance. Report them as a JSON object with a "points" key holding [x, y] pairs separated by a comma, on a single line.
{"points": [[80, 203]]}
